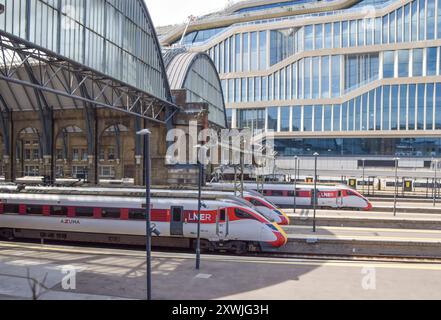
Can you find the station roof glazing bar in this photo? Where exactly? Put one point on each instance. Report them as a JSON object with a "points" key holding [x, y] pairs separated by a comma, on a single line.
{"points": [[75, 63]]}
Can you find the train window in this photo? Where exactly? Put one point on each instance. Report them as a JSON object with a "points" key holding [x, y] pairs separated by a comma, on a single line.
{"points": [[10, 208], [291, 193], [137, 214], [84, 212], [277, 193], [223, 215], [241, 214], [256, 202], [36, 210], [350, 193], [111, 213], [177, 214], [59, 211]]}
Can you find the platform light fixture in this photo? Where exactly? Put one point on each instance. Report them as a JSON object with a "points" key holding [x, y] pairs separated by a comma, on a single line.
{"points": [[147, 169], [435, 184]]}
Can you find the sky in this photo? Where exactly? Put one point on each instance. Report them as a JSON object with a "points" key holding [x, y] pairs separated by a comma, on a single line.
{"points": [[166, 12]]}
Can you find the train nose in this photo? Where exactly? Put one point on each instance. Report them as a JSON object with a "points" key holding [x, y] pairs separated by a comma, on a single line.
{"points": [[282, 238], [284, 219], [369, 206]]}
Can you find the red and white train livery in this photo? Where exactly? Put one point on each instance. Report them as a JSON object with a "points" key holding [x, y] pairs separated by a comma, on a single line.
{"points": [[336, 197], [121, 220], [261, 205]]}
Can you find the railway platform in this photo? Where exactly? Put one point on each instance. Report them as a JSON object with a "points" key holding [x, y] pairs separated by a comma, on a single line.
{"points": [[373, 242], [109, 273], [358, 219]]}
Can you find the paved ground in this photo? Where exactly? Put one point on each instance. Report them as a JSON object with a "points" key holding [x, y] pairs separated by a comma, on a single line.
{"points": [[119, 274]]}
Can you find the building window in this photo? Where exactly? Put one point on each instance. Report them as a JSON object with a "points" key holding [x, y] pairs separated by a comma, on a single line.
{"points": [[307, 118], [318, 36], [111, 154], [32, 171], [75, 154], [316, 77], [411, 107], [297, 118], [59, 154], [273, 116], [262, 51], [107, 171], [431, 12], [328, 35], [430, 91], [318, 118], [337, 34], [35, 154], [309, 33], [394, 107], [392, 27], [418, 62], [431, 61], [328, 118], [420, 106], [79, 172], [27, 154], [337, 117], [388, 64], [403, 107], [85, 155], [386, 108], [403, 63], [325, 77], [422, 29], [284, 119]]}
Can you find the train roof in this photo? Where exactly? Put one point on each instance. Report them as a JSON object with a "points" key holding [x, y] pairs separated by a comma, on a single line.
{"points": [[112, 201], [290, 186]]}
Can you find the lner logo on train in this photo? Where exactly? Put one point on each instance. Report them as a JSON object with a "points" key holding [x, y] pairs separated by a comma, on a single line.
{"points": [[327, 195], [205, 217]]}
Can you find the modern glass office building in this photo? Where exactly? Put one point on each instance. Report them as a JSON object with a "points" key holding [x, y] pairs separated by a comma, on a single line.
{"points": [[345, 78]]}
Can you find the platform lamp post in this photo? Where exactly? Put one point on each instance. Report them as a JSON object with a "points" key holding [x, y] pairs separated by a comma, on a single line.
{"points": [[435, 185], [201, 161], [147, 168], [316, 155], [396, 186], [296, 159]]}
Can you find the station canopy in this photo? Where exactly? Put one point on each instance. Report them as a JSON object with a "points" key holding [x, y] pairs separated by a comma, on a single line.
{"points": [[196, 73], [75, 54]]}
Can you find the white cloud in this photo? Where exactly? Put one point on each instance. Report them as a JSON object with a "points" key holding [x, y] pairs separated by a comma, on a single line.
{"points": [[166, 12]]}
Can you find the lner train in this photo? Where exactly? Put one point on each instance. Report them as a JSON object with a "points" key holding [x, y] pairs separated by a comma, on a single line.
{"points": [[225, 225], [336, 197], [261, 205]]}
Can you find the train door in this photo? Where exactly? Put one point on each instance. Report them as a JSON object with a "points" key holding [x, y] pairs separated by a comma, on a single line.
{"points": [[222, 224], [339, 199], [177, 221]]}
